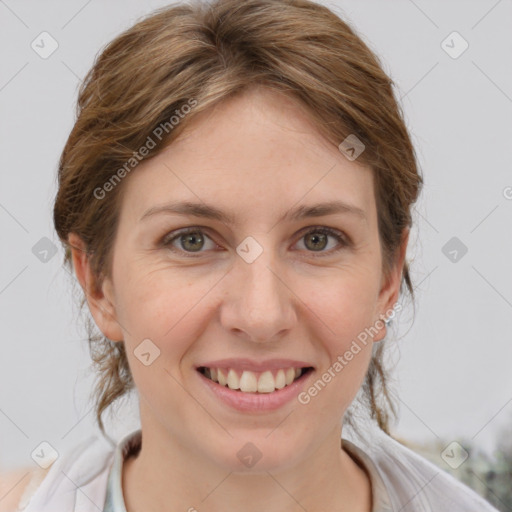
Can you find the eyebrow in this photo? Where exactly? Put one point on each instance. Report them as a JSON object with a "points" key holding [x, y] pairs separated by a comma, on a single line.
{"points": [[211, 212]]}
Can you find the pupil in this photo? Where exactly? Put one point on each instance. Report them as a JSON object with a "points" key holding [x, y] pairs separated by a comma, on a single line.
{"points": [[320, 236], [193, 237]]}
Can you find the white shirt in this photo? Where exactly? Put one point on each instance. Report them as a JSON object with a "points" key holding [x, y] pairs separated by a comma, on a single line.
{"points": [[88, 478]]}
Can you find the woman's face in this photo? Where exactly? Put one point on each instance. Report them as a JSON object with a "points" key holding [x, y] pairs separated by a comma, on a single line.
{"points": [[264, 290]]}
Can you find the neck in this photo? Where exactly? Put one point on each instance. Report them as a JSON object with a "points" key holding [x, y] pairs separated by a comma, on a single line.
{"points": [[159, 478]]}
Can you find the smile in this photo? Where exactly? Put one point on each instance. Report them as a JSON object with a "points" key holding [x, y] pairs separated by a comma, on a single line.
{"points": [[247, 381]]}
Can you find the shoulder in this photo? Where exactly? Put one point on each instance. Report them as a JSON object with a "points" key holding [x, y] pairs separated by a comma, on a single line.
{"points": [[80, 470], [419, 480], [14, 485], [408, 481]]}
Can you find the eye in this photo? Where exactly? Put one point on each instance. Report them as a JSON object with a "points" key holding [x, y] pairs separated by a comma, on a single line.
{"points": [[316, 240], [192, 240]]}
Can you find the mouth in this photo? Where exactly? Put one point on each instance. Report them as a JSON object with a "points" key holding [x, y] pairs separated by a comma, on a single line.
{"points": [[255, 382]]}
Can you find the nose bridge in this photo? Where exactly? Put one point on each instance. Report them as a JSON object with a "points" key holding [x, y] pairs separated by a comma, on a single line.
{"points": [[259, 302], [262, 286]]}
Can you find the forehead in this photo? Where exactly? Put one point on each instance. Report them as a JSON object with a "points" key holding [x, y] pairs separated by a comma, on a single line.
{"points": [[256, 152]]}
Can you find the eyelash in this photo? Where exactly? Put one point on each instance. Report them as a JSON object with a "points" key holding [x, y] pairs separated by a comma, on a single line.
{"points": [[344, 242]]}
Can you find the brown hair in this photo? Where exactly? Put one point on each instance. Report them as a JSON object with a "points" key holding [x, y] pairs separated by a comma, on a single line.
{"points": [[210, 52]]}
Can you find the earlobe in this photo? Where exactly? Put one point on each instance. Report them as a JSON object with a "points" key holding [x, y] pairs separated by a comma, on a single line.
{"points": [[100, 299]]}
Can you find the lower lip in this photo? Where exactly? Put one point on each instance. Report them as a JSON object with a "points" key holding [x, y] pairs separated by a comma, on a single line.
{"points": [[254, 402]]}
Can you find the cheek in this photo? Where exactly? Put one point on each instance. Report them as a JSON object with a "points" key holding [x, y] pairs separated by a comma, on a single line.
{"points": [[162, 304], [165, 308], [342, 312], [344, 303]]}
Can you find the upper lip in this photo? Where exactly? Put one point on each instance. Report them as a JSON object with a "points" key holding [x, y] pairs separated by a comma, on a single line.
{"points": [[255, 366]]}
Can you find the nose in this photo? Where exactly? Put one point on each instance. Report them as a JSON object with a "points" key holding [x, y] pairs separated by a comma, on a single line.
{"points": [[259, 305]]}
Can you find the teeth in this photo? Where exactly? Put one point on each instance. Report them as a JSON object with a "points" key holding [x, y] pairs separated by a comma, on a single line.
{"points": [[250, 382], [266, 383], [233, 380], [221, 377], [280, 380]]}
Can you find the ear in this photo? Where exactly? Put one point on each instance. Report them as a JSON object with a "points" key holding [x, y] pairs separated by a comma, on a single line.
{"points": [[390, 287], [99, 299]]}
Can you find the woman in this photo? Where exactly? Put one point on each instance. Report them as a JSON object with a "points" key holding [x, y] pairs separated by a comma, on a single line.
{"points": [[235, 201]]}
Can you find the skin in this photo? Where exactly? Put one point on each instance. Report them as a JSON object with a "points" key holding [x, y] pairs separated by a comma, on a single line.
{"points": [[255, 156]]}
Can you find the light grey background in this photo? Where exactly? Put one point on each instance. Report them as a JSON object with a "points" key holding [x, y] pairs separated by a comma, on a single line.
{"points": [[453, 370]]}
